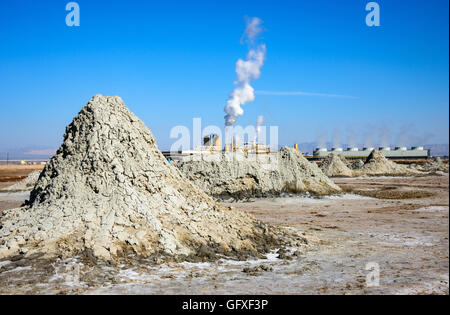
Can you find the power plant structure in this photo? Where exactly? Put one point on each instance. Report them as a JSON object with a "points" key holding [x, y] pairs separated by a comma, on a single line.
{"points": [[355, 153], [248, 147], [255, 148], [213, 144]]}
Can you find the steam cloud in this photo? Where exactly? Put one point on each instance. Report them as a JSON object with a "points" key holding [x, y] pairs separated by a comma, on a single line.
{"points": [[246, 70], [352, 137], [252, 30], [336, 138], [259, 122], [408, 135], [372, 135]]}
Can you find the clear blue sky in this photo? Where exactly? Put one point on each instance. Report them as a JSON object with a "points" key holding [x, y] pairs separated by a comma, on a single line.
{"points": [[174, 60]]}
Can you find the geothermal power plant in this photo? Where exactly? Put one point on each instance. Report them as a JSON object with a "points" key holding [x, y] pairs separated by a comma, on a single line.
{"points": [[213, 144]]}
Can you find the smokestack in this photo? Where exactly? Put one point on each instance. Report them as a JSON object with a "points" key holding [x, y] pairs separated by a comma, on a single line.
{"points": [[259, 122]]}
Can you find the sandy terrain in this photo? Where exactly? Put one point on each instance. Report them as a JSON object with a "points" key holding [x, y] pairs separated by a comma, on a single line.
{"points": [[10, 174], [17, 172], [404, 232]]}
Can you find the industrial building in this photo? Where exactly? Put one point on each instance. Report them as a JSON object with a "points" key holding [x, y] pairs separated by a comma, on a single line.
{"points": [[355, 153], [213, 144], [257, 148]]}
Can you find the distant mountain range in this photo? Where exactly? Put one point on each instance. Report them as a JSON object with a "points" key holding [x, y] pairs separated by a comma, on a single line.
{"points": [[26, 154], [438, 149]]}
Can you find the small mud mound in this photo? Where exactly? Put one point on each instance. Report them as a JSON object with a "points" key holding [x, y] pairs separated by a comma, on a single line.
{"points": [[377, 165], [239, 176], [109, 193], [344, 160], [356, 165], [436, 166], [334, 166], [25, 184]]}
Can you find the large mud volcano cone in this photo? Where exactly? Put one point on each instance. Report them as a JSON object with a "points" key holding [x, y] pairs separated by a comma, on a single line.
{"points": [[377, 165], [110, 193], [334, 166]]}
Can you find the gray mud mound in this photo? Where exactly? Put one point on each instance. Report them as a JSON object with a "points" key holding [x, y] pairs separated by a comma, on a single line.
{"points": [[25, 184], [239, 176], [345, 161], [356, 165], [109, 193], [299, 175], [436, 166], [334, 166], [377, 165]]}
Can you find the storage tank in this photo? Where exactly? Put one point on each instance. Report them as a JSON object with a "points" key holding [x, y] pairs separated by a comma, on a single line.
{"points": [[320, 152], [337, 150], [385, 149], [401, 148], [353, 149]]}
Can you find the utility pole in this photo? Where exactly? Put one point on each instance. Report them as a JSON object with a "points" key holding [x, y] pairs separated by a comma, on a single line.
{"points": [[7, 158]]}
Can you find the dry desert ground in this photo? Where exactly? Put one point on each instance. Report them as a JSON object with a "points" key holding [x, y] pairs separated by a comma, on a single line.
{"points": [[399, 224]]}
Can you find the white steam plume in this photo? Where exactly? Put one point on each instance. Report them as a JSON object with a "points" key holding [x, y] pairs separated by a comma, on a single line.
{"points": [[352, 138], [246, 70], [252, 30], [336, 138], [259, 122]]}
